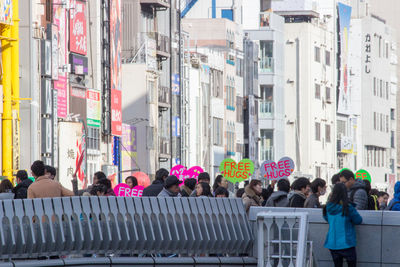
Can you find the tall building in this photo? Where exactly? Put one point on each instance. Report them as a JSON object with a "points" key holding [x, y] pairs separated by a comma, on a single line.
{"points": [[267, 30], [389, 12], [151, 73]]}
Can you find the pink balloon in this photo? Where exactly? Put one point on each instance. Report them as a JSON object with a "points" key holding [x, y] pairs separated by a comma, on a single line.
{"points": [[182, 173]]}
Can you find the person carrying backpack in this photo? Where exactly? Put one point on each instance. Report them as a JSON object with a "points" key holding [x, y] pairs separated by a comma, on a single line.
{"points": [[279, 198], [355, 189], [394, 204]]}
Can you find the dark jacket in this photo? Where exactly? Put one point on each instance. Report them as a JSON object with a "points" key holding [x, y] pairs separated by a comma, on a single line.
{"points": [[268, 194], [154, 189], [312, 202], [296, 199], [278, 199], [166, 193], [341, 233], [394, 204], [21, 190], [80, 191], [358, 195]]}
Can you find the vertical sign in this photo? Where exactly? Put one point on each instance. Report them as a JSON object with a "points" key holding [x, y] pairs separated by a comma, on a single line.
{"points": [[55, 130], [16, 147], [53, 36], [77, 28], [59, 19], [71, 134], [93, 106], [128, 147], [344, 101], [175, 84], [367, 53], [115, 70]]}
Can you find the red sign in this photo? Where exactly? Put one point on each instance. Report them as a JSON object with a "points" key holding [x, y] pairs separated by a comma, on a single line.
{"points": [[77, 30], [116, 112]]}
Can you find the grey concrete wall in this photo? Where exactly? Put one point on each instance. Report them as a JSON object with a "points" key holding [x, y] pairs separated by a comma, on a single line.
{"points": [[378, 242]]}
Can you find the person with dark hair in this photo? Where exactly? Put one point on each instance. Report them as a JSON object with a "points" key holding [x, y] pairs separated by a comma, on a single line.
{"points": [[341, 217], [239, 193], [373, 203], [44, 186], [203, 177], [300, 187], [335, 179], [220, 181], [383, 199], [188, 187], [171, 187], [252, 194], [158, 184], [50, 171], [279, 198], [203, 190], [131, 181], [107, 184], [318, 188], [356, 190], [23, 182], [98, 190], [394, 204], [221, 192], [6, 188], [96, 178]]}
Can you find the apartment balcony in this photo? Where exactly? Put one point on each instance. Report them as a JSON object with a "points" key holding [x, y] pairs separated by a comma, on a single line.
{"points": [[164, 149], [162, 46], [267, 65], [164, 94], [157, 4], [266, 109]]}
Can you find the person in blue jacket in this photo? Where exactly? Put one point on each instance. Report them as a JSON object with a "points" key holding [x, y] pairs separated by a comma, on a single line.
{"points": [[341, 237], [394, 204]]}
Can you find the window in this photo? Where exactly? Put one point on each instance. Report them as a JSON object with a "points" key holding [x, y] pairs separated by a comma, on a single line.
{"points": [[380, 88], [328, 94], [374, 120], [93, 138], [317, 54], [387, 50], [317, 91], [387, 123], [392, 114], [216, 83], [328, 133], [341, 127], [381, 123], [218, 132], [239, 67], [266, 56], [374, 86], [49, 8], [392, 136], [327, 58], [239, 109], [266, 101], [387, 90], [267, 142], [317, 171], [318, 131], [255, 69]]}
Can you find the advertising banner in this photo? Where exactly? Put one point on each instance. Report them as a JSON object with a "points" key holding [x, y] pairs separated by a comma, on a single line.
{"points": [[70, 149], [115, 44], [59, 19], [344, 96], [77, 27], [129, 147], [116, 114], [6, 11], [93, 106]]}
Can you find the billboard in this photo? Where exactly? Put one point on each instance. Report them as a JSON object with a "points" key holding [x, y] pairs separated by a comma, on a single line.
{"points": [[6, 11], [93, 107], [60, 84], [128, 148], [115, 44], [344, 94], [116, 113], [70, 150], [77, 27]]}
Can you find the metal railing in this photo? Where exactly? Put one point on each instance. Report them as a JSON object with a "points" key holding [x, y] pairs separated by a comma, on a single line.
{"points": [[267, 64], [282, 238]]}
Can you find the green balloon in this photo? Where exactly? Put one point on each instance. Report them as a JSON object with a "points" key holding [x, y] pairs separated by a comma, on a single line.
{"points": [[363, 174], [31, 178]]}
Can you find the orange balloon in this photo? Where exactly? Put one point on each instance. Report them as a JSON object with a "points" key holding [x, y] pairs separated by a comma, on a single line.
{"points": [[142, 178]]}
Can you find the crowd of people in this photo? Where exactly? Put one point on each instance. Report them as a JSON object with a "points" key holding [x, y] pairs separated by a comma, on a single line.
{"points": [[348, 195]]}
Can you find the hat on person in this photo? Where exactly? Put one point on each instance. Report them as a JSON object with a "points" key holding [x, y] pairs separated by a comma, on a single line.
{"points": [[171, 180]]}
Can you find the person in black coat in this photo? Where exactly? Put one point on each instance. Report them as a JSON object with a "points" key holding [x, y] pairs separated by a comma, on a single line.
{"points": [[298, 196], [157, 186], [23, 182]]}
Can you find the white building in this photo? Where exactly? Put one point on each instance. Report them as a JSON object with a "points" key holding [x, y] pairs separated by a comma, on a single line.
{"points": [[310, 110], [373, 79]]}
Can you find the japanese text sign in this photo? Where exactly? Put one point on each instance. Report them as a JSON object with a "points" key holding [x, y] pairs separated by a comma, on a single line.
{"points": [[77, 40], [271, 170], [182, 173], [236, 172]]}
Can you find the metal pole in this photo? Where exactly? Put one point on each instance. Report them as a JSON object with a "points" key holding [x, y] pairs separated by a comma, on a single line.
{"points": [[7, 102]]}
